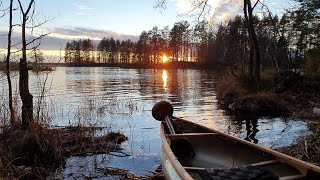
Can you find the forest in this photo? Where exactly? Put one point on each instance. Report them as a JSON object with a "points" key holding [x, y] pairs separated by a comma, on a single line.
{"points": [[287, 42]]}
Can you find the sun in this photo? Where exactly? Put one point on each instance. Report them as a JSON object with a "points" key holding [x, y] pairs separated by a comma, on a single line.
{"points": [[164, 59]]}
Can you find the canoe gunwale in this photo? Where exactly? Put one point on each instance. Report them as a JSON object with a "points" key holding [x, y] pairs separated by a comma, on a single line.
{"points": [[182, 173]]}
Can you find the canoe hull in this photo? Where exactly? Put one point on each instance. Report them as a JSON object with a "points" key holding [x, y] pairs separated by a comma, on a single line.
{"points": [[215, 150]]}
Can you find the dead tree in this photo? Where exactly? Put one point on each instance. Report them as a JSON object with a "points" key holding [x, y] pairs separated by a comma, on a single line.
{"points": [[26, 97], [255, 53], [12, 112]]}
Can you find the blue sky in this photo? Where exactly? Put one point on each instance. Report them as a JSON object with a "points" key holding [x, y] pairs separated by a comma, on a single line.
{"points": [[121, 19], [129, 17]]}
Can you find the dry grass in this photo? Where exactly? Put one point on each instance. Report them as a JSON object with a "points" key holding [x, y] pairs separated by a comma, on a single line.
{"points": [[37, 151], [228, 88], [264, 104], [233, 88], [280, 94], [306, 149]]}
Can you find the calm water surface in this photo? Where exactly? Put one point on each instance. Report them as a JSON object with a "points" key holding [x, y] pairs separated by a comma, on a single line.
{"points": [[121, 99]]}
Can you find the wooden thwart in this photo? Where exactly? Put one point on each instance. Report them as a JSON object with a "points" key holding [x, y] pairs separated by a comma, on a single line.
{"points": [[260, 164], [265, 163], [298, 176], [190, 134]]}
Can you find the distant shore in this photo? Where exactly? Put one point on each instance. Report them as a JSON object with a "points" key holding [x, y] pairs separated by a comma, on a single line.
{"points": [[168, 65]]}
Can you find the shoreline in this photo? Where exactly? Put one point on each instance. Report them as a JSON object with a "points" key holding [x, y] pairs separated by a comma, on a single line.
{"points": [[289, 97]]}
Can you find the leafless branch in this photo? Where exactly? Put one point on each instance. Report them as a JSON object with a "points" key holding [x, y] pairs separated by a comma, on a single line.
{"points": [[37, 38], [258, 1], [161, 5], [4, 13], [4, 34]]}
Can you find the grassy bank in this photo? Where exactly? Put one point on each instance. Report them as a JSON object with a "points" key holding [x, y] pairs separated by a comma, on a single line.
{"points": [[285, 94], [36, 152], [40, 152]]}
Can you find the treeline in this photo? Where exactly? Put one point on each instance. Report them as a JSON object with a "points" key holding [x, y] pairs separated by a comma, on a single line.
{"points": [[181, 43], [286, 42]]}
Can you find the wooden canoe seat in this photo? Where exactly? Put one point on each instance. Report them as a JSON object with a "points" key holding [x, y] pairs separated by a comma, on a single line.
{"points": [[190, 134]]}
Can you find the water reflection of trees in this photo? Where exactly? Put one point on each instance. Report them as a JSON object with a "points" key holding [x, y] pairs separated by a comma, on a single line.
{"points": [[176, 85], [181, 86], [190, 91], [251, 123], [77, 80]]}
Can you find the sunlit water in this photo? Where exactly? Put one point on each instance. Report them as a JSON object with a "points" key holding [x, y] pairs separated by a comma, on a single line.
{"points": [[121, 99]]}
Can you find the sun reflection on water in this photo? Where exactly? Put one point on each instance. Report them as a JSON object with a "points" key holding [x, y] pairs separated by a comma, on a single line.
{"points": [[165, 78]]}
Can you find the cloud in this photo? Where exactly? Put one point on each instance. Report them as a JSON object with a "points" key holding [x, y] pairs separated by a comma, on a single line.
{"points": [[216, 10], [183, 6], [82, 9], [83, 32], [58, 37]]}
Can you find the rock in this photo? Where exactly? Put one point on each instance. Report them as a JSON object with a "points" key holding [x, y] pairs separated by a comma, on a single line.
{"points": [[113, 147], [235, 106], [316, 111]]}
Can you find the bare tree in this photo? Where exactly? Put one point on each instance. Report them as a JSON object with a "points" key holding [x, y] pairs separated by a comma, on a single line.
{"points": [[12, 112], [26, 97], [254, 45]]}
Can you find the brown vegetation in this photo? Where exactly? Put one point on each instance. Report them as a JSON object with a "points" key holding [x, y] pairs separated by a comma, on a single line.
{"points": [[307, 149], [233, 92], [35, 152], [286, 93]]}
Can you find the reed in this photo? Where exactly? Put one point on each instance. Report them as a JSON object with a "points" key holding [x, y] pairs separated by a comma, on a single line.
{"points": [[229, 88], [38, 151]]}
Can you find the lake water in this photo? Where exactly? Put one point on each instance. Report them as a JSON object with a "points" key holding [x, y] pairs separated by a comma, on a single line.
{"points": [[122, 99]]}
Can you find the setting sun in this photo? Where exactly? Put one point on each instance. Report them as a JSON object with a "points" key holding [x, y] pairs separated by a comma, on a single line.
{"points": [[164, 58]]}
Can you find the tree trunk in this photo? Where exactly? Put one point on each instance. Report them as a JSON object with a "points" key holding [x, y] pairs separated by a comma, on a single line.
{"points": [[254, 45], [26, 97], [245, 10], [12, 112]]}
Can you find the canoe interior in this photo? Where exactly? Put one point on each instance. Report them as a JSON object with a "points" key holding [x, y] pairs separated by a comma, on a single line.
{"points": [[205, 149]]}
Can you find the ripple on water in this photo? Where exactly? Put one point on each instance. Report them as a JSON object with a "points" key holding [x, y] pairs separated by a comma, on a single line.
{"points": [[121, 99]]}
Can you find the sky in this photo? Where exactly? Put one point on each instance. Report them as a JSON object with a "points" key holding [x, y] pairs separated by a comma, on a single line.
{"points": [[121, 19], [128, 17]]}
